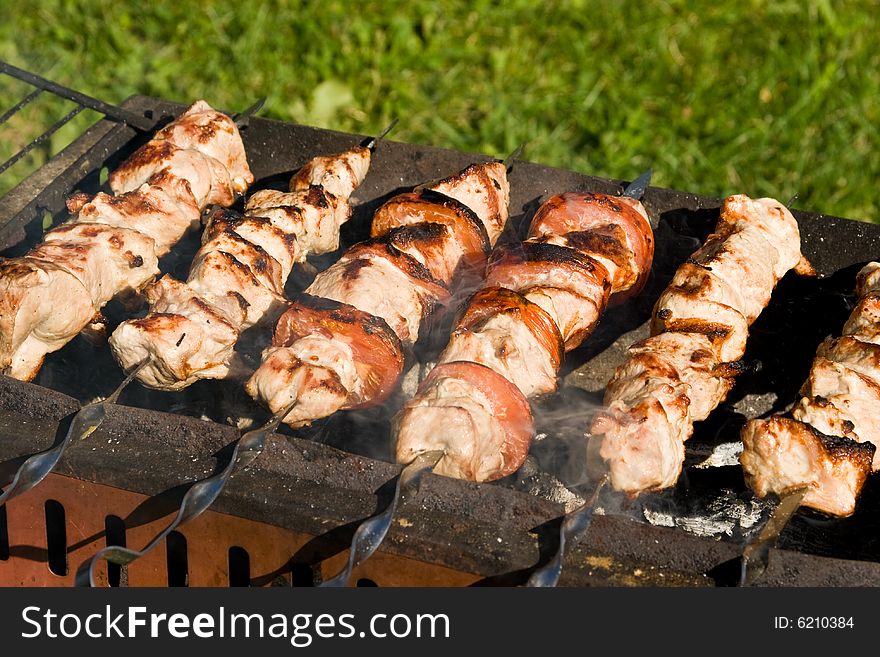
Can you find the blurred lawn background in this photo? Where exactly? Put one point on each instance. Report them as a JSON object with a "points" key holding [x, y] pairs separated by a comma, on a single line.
{"points": [[765, 98]]}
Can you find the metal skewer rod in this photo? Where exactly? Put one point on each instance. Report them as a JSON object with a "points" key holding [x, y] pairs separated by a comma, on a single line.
{"points": [[513, 157], [756, 554], [241, 119], [83, 424], [196, 501], [574, 524], [372, 531], [370, 142]]}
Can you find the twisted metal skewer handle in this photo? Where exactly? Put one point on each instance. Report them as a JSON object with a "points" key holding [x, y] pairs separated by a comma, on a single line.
{"points": [[371, 532], [196, 501], [756, 554], [84, 423], [575, 523]]}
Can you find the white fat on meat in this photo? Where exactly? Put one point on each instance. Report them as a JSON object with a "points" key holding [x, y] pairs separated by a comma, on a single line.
{"points": [[505, 344], [484, 189], [366, 287], [455, 417]]}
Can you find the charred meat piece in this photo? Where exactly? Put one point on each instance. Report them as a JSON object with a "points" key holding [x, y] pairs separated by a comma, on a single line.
{"points": [[312, 215], [339, 174], [112, 243], [573, 288], [327, 355], [835, 426], [468, 245], [202, 147], [367, 272], [781, 454], [611, 229], [700, 325]]}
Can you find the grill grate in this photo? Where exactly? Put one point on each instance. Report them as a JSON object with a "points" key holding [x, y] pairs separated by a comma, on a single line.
{"points": [[82, 102]]}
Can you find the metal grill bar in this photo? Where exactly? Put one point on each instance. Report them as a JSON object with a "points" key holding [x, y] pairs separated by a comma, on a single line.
{"points": [[111, 111], [39, 140], [82, 102], [12, 111]]}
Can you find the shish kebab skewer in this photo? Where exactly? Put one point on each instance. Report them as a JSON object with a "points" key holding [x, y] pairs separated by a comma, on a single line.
{"points": [[539, 301], [822, 455], [699, 330], [608, 237], [577, 521], [341, 345], [238, 275], [113, 243], [36, 467], [372, 531]]}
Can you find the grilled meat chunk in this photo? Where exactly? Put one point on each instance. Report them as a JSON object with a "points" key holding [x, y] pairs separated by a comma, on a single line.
{"points": [[700, 325], [465, 252], [421, 241], [831, 439], [327, 356], [781, 454], [363, 277], [112, 243], [476, 416]]}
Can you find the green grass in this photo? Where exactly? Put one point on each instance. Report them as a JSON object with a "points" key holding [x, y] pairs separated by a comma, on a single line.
{"points": [[719, 97]]}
